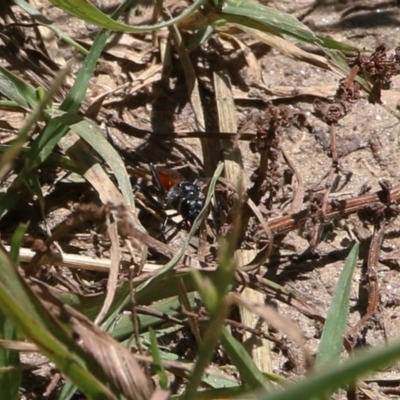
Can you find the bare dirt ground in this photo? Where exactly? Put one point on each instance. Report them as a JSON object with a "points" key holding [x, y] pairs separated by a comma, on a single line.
{"points": [[367, 145]]}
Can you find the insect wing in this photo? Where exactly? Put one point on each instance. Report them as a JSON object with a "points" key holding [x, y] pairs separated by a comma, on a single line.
{"points": [[165, 178]]}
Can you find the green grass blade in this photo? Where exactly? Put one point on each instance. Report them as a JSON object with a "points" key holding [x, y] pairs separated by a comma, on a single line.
{"points": [[54, 160], [85, 11], [17, 90], [19, 304], [329, 43], [9, 105], [32, 183], [16, 241], [340, 61], [200, 37], [124, 328], [272, 20], [249, 372], [90, 305], [9, 380], [331, 343], [73, 101], [207, 348], [54, 131], [338, 374], [12, 151], [237, 393], [157, 361], [95, 138], [67, 392], [167, 289]]}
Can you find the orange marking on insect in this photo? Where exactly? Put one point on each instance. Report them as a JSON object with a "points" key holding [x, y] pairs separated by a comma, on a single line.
{"points": [[168, 178]]}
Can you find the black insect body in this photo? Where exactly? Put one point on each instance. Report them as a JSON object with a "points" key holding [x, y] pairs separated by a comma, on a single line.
{"points": [[185, 197]]}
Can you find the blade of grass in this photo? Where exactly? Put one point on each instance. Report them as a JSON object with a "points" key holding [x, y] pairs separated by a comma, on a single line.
{"points": [[339, 374], [54, 160], [239, 393], [54, 130], [32, 183], [9, 380], [93, 136], [67, 392], [9, 105], [214, 296], [124, 329], [248, 370], [11, 153], [17, 90], [20, 305], [16, 241], [90, 305], [272, 20], [331, 344], [92, 15], [210, 341], [157, 361]]}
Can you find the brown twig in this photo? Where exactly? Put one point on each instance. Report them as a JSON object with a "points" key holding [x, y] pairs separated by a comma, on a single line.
{"points": [[370, 280], [334, 210], [298, 186]]}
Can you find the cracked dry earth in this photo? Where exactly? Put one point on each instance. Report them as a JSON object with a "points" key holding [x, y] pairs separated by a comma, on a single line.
{"points": [[367, 138]]}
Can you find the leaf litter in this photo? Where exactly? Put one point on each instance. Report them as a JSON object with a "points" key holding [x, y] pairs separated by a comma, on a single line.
{"points": [[321, 158]]}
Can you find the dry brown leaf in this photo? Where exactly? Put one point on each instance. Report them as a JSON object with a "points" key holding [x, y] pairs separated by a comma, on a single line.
{"points": [[278, 321], [116, 360], [258, 348], [10, 123], [94, 174], [254, 71], [49, 39], [291, 50], [276, 92], [115, 255], [126, 53], [76, 261], [152, 74]]}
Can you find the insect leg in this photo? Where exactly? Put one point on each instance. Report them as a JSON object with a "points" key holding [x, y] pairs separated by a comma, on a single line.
{"points": [[156, 179], [165, 229]]}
